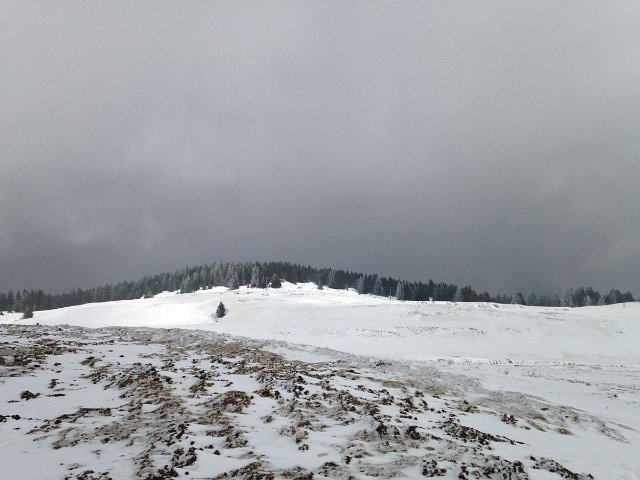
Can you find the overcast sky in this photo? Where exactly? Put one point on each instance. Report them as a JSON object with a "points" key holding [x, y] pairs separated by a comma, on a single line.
{"points": [[495, 144]]}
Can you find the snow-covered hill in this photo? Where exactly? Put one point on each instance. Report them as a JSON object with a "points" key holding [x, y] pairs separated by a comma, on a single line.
{"points": [[368, 325], [533, 387]]}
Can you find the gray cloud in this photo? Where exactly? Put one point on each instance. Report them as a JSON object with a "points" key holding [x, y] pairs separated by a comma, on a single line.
{"points": [[494, 144]]}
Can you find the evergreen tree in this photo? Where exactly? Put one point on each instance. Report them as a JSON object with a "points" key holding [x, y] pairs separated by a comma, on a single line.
{"points": [[377, 287], [186, 286], [532, 299], [27, 312], [292, 277], [360, 285], [331, 279], [400, 290], [10, 301], [17, 303], [587, 301], [567, 298], [415, 293], [457, 297], [195, 280], [216, 273], [255, 277], [234, 282], [275, 281], [579, 297], [221, 311], [517, 299]]}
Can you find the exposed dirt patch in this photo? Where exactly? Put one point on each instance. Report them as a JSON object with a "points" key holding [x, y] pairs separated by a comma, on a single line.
{"points": [[171, 403]]}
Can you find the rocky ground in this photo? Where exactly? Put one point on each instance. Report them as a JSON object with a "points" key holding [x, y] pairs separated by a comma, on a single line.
{"points": [[116, 402]]}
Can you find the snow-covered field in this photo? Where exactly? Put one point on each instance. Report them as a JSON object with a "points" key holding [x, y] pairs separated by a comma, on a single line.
{"points": [[301, 383]]}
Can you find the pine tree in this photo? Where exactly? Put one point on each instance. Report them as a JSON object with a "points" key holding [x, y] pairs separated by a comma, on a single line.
{"points": [[517, 299], [216, 273], [195, 279], [17, 303], [255, 277], [457, 297], [187, 285], [221, 311], [331, 279], [233, 282], [27, 311], [415, 293], [567, 298], [275, 281], [579, 297], [377, 287], [400, 290], [587, 301], [360, 285], [10, 301]]}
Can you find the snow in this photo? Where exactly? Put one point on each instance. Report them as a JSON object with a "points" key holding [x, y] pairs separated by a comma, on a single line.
{"points": [[368, 325], [569, 377]]}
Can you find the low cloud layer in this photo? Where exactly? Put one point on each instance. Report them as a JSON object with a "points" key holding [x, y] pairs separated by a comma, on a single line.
{"points": [[487, 144]]}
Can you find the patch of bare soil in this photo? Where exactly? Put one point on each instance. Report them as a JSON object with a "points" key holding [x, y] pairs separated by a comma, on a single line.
{"points": [[198, 405]]}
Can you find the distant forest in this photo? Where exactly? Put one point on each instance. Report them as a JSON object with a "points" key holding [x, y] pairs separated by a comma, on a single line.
{"points": [[269, 275]]}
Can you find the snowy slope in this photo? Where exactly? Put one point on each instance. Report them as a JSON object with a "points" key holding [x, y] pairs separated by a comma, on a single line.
{"points": [[367, 325], [537, 393]]}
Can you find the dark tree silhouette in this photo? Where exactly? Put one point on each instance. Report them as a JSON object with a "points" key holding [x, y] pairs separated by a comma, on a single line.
{"points": [[27, 311], [275, 281]]}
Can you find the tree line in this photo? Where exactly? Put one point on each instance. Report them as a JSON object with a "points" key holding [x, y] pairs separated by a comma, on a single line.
{"points": [[269, 275]]}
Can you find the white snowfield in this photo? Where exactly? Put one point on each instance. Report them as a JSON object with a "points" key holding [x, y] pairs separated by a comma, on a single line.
{"points": [[569, 377], [388, 328]]}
